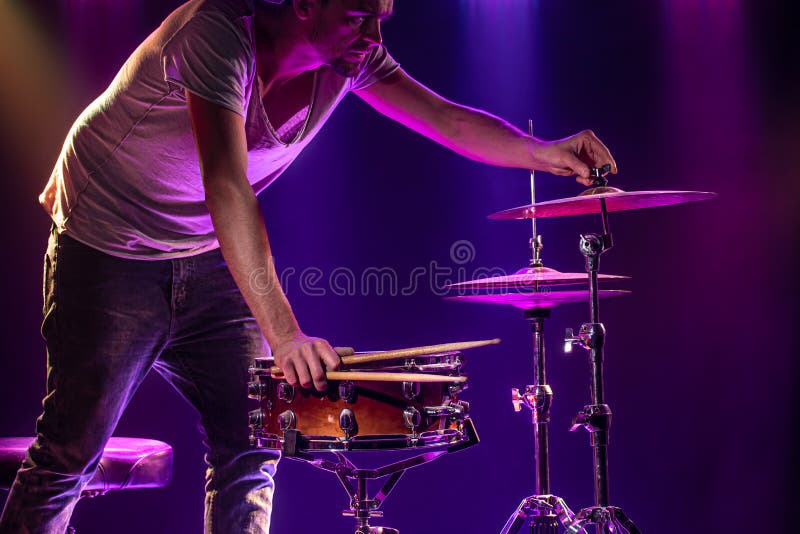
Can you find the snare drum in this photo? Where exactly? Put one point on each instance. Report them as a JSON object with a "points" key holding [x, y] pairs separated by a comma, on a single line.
{"points": [[359, 414]]}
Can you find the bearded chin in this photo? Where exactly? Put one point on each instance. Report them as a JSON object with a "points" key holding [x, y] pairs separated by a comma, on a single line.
{"points": [[344, 68]]}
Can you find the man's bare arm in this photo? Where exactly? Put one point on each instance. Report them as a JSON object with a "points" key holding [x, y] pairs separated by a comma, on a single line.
{"points": [[238, 223], [481, 136]]}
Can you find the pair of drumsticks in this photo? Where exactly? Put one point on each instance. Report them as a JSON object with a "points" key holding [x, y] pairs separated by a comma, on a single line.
{"points": [[348, 358]]}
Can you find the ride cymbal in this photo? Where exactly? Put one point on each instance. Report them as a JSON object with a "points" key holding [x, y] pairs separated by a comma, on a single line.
{"points": [[589, 202]]}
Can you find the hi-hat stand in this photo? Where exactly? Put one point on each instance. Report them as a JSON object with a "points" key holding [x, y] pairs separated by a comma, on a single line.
{"points": [[542, 511], [596, 417]]}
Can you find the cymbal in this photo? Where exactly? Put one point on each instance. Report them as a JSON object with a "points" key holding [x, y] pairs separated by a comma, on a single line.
{"points": [[589, 202], [530, 277], [538, 300]]}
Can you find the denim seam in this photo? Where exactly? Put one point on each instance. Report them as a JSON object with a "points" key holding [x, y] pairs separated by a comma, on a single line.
{"points": [[172, 303]]}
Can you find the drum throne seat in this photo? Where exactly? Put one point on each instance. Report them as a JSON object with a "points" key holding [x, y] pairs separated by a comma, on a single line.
{"points": [[127, 463]]}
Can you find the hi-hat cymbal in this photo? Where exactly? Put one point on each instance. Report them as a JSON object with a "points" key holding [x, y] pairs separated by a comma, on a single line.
{"points": [[538, 300], [589, 202], [530, 277]]}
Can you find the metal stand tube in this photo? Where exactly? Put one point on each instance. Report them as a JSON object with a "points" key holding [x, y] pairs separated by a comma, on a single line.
{"points": [[596, 417], [540, 414], [542, 512]]}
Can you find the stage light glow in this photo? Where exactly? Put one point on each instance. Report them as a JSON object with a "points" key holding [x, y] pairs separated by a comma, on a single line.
{"points": [[34, 84]]}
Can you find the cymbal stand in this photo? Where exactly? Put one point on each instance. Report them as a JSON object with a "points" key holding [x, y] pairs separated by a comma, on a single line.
{"points": [[596, 417]]}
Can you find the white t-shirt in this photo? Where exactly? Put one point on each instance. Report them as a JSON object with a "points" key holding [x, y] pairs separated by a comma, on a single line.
{"points": [[128, 179]]}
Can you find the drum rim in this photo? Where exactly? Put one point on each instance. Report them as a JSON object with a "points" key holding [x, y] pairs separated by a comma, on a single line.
{"points": [[386, 442], [263, 364]]}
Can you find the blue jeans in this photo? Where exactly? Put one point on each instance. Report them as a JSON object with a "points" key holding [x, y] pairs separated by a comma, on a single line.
{"points": [[107, 322]]}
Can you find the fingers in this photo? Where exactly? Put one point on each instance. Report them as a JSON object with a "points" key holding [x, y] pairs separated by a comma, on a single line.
{"points": [[574, 165], [303, 373], [317, 374], [301, 361], [596, 152], [289, 373]]}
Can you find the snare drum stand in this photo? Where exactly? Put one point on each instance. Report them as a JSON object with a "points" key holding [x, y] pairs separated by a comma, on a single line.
{"points": [[596, 417], [542, 511], [362, 507]]}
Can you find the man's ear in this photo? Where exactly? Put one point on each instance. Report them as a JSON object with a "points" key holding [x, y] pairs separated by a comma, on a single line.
{"points": [[304, 8]]}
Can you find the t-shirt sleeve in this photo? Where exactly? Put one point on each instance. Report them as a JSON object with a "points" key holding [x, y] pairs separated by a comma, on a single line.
{"points": [[211, 57], [378, 65]]}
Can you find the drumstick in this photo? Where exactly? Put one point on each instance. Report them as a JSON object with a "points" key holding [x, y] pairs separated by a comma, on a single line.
{"points": [[402, 353], [386, 377], [416, 351]]}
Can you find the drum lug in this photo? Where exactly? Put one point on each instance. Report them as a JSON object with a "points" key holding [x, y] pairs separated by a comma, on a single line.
{"points": [[412, 418], [348, 423], [455, 389], [256, 418], [256, 390], [347, 391], [287, 420], [286, 392], [411, 390]]}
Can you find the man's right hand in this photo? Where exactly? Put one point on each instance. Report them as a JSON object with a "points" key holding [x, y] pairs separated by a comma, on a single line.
{"points": [[302, 358]]}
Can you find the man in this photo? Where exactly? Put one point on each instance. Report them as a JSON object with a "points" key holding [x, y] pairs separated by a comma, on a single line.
{"points": [[157, 183]]}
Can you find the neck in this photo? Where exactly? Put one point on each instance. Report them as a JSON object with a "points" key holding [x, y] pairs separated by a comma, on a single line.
{"points": [[283, 50]]}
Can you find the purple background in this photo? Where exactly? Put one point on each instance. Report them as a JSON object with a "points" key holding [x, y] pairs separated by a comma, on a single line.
{"points": [[700, 358]]}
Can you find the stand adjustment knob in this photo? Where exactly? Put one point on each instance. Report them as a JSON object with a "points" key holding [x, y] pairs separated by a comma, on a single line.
{"points": [[571, 339], [516, 399]]}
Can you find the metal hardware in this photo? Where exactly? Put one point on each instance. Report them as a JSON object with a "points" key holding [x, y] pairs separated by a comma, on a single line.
{"points": [[412, 418], [517, 399], [286, 392], [538, 511], [287, 420], [411, 390], [347, 391], [544, 512], [347, 422], [594, 418], [354, 480], [446, 410], [256, 418], [599, 175], [455, 389], [256, 390]]}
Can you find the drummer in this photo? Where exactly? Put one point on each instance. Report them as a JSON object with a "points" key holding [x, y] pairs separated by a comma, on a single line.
{"points": [[158, 241]]}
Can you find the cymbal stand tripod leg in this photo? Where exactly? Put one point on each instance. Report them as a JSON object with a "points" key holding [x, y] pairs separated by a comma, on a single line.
{"points": [[596, 417], [543, 511]]}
